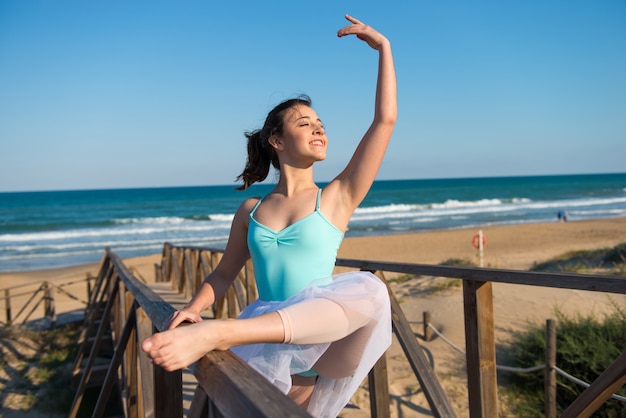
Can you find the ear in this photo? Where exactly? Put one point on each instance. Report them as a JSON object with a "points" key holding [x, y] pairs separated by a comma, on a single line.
{"points": [[276, 142]]}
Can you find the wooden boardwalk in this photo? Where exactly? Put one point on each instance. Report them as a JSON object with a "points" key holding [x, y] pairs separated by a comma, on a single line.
{"points": [[127, 309]]}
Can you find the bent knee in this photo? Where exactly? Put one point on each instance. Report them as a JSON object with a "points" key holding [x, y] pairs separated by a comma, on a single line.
{"points": [[336, 368]]}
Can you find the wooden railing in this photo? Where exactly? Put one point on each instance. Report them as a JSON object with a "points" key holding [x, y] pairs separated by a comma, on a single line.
{"points": [[228, 387], [124, 308], [186, 267], [24, 302]]}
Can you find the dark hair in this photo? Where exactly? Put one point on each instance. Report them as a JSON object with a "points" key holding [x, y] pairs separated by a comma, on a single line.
{"points": [[260, 152]]}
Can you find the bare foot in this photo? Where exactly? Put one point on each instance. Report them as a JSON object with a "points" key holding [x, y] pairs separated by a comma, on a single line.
{"points": [[179, 347]]}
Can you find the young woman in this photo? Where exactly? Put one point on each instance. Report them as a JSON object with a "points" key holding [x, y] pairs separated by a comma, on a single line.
{"points": [[314, 335]]}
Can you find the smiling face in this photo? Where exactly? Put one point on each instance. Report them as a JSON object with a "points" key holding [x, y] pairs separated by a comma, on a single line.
{"points": [[303, 139]]}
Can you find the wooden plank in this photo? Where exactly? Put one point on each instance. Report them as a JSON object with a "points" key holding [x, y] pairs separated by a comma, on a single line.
{"points": [[109, 380], [613, 378], [231, 304], [146, 369], [188, 269], [49, 308], [591, 282], [198, 276], [179, 269], [549, 371], [7, 306], [78, 397], [92, 312], [168, 393], [199, 405], [436, 397], [252, 292], [240, 292], [130, 369], [379, 389], [206, 266], [480, 349], [239, 391], [166, 262]]}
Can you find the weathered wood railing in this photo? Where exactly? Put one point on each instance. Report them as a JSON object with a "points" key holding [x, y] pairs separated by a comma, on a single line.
{"points": [[185, 267], [130, 311], [25, 301]]}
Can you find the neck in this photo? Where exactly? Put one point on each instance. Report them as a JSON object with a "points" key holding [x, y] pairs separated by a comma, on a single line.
{"points": [[292, 181]]}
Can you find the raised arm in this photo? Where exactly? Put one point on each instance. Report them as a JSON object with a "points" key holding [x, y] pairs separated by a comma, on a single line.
{"points": [[356, 179]]}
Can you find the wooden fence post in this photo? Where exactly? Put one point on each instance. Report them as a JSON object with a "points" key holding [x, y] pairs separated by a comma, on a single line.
{"points": [[549, 371], [168, 393], [379, 389], [144, 329], [88, 280], [428, 333], [480, 349], [7, 304], [48, 297]]}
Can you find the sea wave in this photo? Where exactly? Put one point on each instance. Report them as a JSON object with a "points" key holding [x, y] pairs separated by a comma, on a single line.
{"points": [[175, 220], [464, 209], [48, 239], [170, 229], [158, 220], [455, 210], [71, 245]]}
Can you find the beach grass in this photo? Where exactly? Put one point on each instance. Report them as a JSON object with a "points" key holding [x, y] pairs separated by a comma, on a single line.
{"points": [[586, 346], [39, 366], [611, 261]]}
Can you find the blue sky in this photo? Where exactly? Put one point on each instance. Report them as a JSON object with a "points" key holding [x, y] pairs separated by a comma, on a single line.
{"points": [[117, 94]]}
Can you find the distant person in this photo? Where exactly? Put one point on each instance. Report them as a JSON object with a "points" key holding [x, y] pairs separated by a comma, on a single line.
{"points": [[314, 336], [562, 216]]}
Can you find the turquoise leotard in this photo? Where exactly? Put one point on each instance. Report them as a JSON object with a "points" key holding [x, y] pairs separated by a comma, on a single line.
{"points": [[287, 260]]}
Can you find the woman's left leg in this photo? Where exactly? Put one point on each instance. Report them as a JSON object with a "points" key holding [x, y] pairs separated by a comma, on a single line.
{"points": [[301, 389]]}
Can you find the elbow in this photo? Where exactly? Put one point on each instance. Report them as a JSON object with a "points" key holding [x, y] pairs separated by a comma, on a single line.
{"points": [[387, 115], [387, 120], [391, 119]]}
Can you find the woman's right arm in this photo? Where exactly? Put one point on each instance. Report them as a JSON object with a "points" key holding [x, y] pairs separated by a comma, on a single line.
{"points": [[217, 283]]}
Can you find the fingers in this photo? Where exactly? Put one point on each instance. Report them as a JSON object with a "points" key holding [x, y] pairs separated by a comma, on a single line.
{"points": [[362, 31], [179, 317], [175, 320], [352, 29], [353, 20]]}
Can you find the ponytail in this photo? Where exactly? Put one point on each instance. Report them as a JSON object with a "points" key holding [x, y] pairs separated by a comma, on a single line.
{"points": [[260, 152], [260, 155]]}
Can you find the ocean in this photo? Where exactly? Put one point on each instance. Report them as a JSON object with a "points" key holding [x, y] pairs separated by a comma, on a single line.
{"points": [[41, 230]]}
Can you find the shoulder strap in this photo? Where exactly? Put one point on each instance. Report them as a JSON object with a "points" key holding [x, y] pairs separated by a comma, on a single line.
{"points": [[319, 196], [256, 206]]}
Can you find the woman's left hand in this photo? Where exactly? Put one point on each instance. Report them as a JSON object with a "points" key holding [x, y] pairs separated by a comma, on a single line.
{"points": [[364, 32]]}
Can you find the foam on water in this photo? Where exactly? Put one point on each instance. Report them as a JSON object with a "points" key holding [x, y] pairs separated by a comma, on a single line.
{"points": [[55, 229]]}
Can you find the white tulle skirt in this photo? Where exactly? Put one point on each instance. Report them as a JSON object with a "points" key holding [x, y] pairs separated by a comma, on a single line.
{"points": [[359, 293]]}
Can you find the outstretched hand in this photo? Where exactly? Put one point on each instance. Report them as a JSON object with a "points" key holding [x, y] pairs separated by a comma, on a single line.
{"points": [[364, 32]]}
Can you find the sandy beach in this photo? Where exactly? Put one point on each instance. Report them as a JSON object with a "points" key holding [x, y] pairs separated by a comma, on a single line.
{"points": [[508, 247]]}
